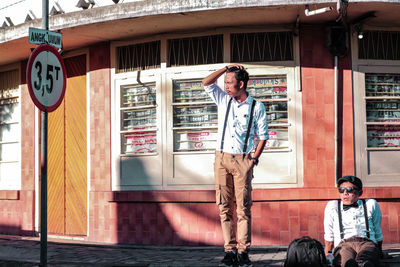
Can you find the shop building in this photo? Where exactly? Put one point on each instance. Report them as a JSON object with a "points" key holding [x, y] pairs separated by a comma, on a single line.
{"points": [[131, 148]]}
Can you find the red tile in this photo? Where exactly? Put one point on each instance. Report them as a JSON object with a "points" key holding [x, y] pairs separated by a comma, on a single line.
{"points": [[283, 219], [294, 227], [194, 238], [393, 218], [275, 209], [393, 237], [285, 237], [256, 211], [303, 219], [275, 194], [210, 238], [313, 226], [265, 211], [294, 207]]}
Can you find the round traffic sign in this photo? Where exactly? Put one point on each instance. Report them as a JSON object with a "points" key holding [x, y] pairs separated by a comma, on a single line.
{"points": [[46, 76]]}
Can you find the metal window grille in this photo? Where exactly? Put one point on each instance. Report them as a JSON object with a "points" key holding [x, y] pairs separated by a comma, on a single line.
{"points": [[8, 82], [261, 46], [139, 56], [195, 50], [381, 45]]}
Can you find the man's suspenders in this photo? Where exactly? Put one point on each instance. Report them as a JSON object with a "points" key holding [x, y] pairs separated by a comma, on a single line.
{"points": [[226, 119], [366, 217], [340, 219], [248, 127]]}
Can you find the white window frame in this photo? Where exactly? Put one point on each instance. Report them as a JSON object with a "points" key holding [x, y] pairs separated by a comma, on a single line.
{"points": [[164, 76], [151, 178], [360, 67], [15, 185]]}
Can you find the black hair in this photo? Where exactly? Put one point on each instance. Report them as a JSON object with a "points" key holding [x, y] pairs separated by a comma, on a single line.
{"points": [[240, 75], [352, 179]]}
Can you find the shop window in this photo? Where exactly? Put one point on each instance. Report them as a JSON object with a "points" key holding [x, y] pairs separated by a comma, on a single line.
{"points": [[261, 46], [377, 125], [195, 50], [382, 95], [195, 117], [379, 45], [272, 91], [377, 105], [138, 57], [9, 130], [195, 124], [169, 144], [138, 119]]}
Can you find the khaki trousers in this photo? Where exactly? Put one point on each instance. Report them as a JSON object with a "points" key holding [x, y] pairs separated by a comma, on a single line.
{"points": [[233, 176], [360, 249]]}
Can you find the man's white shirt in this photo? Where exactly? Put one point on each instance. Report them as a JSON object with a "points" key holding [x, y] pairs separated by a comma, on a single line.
{"points": [[238, 119], [353, 221]]}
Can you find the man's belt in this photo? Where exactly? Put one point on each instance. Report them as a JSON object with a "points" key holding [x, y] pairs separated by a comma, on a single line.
{"points": [[356, 239]]}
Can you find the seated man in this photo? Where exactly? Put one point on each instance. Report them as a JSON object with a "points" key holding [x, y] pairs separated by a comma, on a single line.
{"points": [[353, 226]]}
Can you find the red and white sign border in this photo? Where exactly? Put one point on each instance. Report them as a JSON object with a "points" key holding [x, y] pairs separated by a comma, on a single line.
{"points": [[32, 57]]}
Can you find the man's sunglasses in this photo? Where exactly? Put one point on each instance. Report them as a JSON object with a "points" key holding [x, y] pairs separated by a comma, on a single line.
{"points": [[348, 189]]}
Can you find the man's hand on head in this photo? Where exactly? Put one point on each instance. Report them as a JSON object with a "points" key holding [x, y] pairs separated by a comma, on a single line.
{"points": [[236, 65]]}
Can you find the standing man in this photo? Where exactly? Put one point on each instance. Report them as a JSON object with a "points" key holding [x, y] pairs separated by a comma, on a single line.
{"points": [[353, 226], [240, 119]]}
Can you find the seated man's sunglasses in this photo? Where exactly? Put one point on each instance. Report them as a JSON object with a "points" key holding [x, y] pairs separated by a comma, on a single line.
{"points": [[348, 189]]}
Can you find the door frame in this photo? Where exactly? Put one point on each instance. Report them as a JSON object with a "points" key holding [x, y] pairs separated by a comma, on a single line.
{"points": [[65, 55]]}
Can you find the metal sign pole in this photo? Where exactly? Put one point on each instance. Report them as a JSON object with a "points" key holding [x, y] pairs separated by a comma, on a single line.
{"points": [[43, 196], [43, 165]]}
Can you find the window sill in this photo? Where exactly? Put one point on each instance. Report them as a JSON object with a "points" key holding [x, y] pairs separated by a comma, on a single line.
{"points": [[9, 194], [173, 196], [258, 195]]}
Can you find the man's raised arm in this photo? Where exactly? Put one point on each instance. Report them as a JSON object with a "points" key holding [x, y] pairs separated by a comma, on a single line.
{"points": [[213, 77]]}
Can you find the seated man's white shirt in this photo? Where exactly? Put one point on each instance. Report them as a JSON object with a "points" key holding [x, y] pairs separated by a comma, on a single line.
{"points": [[353, 221]]}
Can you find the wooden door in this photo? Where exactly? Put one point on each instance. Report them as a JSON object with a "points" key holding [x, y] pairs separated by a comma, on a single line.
{"points": [[67, 155]]}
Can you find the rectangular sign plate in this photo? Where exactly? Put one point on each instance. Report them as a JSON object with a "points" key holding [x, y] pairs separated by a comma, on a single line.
{"points": [[40, 36]]}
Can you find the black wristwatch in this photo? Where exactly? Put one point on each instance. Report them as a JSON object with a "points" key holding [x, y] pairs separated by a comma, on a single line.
{"points": [[255, 160]]}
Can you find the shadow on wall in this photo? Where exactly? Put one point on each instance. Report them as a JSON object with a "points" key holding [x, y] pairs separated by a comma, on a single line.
{"points": [[191, 217], [162, 217], [15, 230], [141, 222]]}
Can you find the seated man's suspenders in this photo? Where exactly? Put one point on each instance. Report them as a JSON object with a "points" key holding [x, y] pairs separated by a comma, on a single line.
{"points": [[365, 217]]}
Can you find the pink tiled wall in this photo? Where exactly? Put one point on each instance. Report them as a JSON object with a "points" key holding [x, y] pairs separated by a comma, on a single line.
{"points": [[279, 215], [17, 207], [101, 222], [281, 222], [100, 117], [153, 223], [191, 217], [156, 220], [317, 76]]}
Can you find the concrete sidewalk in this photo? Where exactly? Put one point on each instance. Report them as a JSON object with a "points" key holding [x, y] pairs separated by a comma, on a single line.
{"points": [[25, 251]]}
